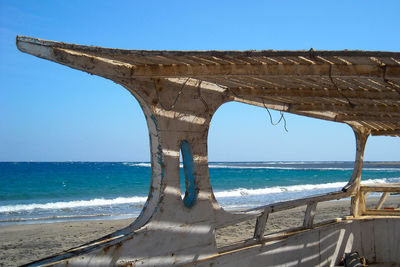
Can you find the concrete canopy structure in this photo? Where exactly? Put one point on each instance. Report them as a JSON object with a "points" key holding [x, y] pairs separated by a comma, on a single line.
{"points": [[356, 87], [180, 91]]}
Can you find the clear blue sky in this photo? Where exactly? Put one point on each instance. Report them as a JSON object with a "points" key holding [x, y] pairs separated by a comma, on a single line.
{"points": [[52, 113]]}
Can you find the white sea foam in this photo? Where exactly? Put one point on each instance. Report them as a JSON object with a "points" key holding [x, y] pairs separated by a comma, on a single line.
{"points": [[138, 164], [238, 192], [245, 166], [53, 218], [68, 218], [143, 164], [211, 166], [276, 189], [266, 165], [73, 204]]}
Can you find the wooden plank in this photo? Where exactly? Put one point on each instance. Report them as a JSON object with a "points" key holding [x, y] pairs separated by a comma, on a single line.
{"points": [[370, 125], [355, 205], [355, 180], [382, 212], [276, 236], [381, 185], [309, 215], [381, 200], [386, 132], [353, 55], [209, 68], [366, 83], [290, 204], [379, 126], [381, 188], [369, 117], [340, 100], [362, 206], [346, 108], [389, 125], [261, 223]]}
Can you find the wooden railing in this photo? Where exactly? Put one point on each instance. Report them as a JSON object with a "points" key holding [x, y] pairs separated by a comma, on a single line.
{"points": [[262, 213], [385, 189], [310, 202]]}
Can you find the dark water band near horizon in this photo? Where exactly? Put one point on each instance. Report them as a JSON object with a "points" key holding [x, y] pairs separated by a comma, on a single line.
{"points": [[37, 192]]}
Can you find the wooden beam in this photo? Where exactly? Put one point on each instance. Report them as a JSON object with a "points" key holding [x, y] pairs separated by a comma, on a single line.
{"points": [[361, 135], [290, 204], [382, 212], [362, 207], [377, 105], [332, 112], [345, 108], [275, 236], [291, 91], [378, 117], [381, 200], [309, 215], [387, 132], [278, 70], [356, 205], [261, 224], [394, 188], [103, 66], [318, 54]]}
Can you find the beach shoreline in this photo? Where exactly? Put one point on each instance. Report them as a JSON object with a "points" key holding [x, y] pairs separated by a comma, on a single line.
{"points": [[24, 243]]}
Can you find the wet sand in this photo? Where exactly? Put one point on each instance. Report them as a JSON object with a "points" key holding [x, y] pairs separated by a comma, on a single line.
{"points": [[20, 244]]}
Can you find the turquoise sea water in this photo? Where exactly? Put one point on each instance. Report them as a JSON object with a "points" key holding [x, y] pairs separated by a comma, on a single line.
{"points": [[46, 192]]}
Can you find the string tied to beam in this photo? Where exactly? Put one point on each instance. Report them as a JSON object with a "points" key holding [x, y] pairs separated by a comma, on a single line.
{"points": [[280, 119], [176, 98], [337, 88], [201, 97], [387, 81], [269, 113], [233, 93]]}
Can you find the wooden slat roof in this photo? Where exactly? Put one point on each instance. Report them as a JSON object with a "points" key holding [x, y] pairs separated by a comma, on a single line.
{"points": [[355, 87]]}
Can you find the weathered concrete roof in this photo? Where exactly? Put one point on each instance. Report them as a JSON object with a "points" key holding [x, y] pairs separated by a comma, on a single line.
{"points": [[361, 88], [179, 92]]}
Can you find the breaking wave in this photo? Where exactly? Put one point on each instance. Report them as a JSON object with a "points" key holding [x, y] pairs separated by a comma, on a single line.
{"points": [[139, 164], [73, 204], [270, 165], [238, 192]]}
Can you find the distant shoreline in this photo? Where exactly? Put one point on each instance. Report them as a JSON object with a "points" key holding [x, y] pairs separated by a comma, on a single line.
{"points": [[382, 163], [37, 192]]}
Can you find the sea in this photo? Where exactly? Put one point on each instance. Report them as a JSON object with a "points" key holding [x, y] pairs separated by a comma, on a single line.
{"points": [[46, 192]]}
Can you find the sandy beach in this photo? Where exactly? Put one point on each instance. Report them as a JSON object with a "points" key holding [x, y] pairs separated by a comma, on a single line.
{"points": [[20, 244]]}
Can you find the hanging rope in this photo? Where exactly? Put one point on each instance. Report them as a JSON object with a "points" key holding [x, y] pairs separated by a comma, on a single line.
{"points": [[176, 98], [269, 113], [338, 89], [233, 93], [284, 121], [280, 119], [386, 81], [201, 98]]}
